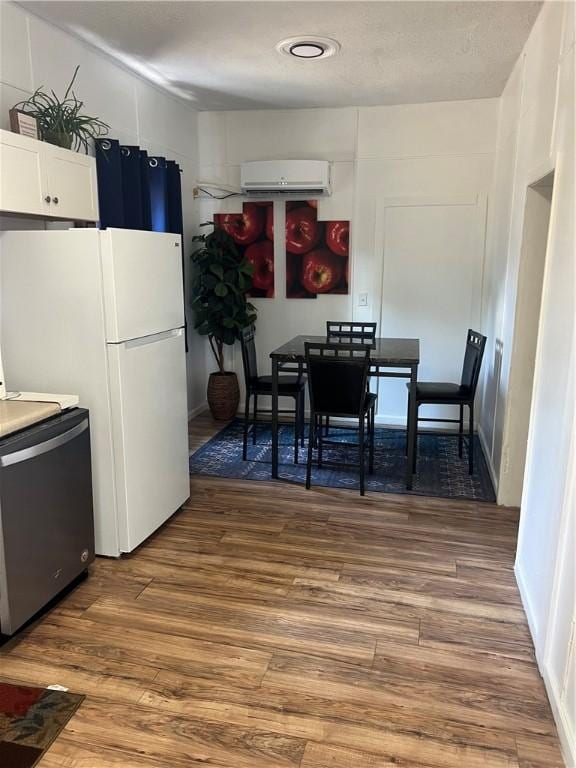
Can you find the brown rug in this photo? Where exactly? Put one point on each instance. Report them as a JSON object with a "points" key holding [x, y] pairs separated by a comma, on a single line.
{"points": [[30, 720]]}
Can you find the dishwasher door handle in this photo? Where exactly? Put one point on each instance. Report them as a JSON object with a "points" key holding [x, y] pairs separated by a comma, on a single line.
{"points": [[47, 445]]}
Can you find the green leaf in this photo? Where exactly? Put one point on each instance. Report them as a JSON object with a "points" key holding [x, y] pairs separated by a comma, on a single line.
{"points": [[63, 116], [209, 281], [219, 281], [217, 270]]}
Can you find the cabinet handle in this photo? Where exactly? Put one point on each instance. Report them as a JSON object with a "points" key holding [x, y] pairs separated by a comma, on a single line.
{"points": [[47, 445], [55, 200], [48, 198]]}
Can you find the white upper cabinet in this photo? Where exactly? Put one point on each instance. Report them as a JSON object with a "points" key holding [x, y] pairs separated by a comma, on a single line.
{"points": [[72, 184], [40, 179], [22, 179]]}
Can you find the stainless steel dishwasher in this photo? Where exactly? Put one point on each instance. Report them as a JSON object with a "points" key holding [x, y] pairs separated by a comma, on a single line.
{"points": [[46, 514]]}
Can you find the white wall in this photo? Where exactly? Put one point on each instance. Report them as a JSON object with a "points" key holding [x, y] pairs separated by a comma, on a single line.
{"points": [[35, 53], [536, 135], [389, 160], [401, 162]]}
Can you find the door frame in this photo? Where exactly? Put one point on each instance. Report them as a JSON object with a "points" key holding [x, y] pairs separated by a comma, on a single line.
{"points": [[478, 200], [533, 179]]}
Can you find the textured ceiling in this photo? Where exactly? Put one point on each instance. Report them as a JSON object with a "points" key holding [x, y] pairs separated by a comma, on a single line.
{"points": [[221, 54]]}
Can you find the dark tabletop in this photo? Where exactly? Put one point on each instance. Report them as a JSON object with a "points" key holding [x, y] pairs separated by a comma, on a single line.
{"points": [[391, 352]]}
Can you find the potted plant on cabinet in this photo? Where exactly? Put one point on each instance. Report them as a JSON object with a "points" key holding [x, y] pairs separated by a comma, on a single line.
{"points": [[221, 279], [60, 120]]}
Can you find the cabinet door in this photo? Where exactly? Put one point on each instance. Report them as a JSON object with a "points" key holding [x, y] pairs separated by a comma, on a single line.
{"points": [[22, 182], [71, 184]]}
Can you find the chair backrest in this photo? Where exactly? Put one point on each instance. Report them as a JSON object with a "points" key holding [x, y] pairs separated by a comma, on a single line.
{"points": [[337, 375], [349, 332], [249, 360], [475, 344]]}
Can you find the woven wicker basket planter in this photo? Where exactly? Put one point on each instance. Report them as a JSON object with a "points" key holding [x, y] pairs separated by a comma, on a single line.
{"points": [[223, 395]]}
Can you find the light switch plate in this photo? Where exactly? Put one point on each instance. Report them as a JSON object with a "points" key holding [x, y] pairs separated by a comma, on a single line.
{"points": [[362, 299]]}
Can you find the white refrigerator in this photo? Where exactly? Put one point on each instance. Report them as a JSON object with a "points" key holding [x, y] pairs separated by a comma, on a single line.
{"points": [[101, 314]]}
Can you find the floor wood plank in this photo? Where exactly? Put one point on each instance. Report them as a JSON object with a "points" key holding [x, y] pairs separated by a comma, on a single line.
{"points": [[266, 626]]}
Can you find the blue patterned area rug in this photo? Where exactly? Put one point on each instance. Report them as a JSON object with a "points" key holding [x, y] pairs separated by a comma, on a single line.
{"points": [[440, 472]]}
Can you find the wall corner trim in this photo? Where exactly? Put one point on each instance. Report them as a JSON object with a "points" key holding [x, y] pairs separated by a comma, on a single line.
{"points": [[488, 456], [562, 719], [529, 611], [198, 410]]}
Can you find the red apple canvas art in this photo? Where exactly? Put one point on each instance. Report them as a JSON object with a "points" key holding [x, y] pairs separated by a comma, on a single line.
{"points": [[317, 252], [253, 232]]}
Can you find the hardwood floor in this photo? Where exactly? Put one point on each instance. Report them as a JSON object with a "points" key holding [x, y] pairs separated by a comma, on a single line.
{"points": [[266, 626]]}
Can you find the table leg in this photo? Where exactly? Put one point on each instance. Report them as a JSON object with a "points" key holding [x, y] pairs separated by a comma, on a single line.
{"points": [[412, 424], [274, 418]]}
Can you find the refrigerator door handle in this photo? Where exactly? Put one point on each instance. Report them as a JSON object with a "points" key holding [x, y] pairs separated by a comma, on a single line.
{"points": [[144, 340], [47, 445]]}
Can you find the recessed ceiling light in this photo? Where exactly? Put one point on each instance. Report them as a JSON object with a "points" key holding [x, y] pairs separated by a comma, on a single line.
{"points": [[308, 47], [307, 50]]}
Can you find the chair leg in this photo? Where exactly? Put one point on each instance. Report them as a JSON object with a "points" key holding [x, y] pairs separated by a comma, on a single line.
{"points": [[246, 424], [302, 416], [311, 438], [361, 449], [255, 419], [471, 439], [372, 418], [415, 441], [320, 437], [327, 425], [296, 427], [407, 426], [460, 430]]}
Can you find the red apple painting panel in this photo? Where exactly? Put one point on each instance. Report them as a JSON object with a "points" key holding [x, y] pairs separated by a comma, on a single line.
{"points": [[317, 252], [253, 232]]}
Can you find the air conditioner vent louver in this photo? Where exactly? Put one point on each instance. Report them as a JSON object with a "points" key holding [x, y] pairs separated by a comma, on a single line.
{"points": [[283, 177]]}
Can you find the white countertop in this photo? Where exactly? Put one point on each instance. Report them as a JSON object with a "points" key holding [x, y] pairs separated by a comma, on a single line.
{"points": [[64, 401], [18, 414]]}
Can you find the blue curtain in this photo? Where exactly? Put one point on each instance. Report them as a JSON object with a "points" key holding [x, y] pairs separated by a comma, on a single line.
{"points": [[145, 190], [174, 196], [158, 193], [109, 170], [137, 191], [132, 187]]}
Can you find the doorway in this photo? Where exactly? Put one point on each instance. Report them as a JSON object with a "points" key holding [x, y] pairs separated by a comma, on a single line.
{"points": [[526, 324]]}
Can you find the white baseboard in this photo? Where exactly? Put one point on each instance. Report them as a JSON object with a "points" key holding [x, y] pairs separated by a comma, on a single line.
{"points": [[199, 409], [488, 457], [529, 611], [561, 718], [387, 420], [565, 729]]}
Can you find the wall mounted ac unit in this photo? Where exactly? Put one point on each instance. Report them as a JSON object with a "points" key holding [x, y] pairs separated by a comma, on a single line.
{"points": [[286, 177]]}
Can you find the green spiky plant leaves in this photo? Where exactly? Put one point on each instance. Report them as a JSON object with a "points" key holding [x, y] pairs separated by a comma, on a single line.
{"points": [[222, 277], [60, 121]]}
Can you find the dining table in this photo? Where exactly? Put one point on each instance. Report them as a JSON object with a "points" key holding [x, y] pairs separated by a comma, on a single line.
{"points": [[389, 358]]}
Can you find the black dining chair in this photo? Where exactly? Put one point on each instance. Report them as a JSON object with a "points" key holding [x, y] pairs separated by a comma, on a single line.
{"points": [[350, 332], [445, 393], [337, 375], [288, 386]]}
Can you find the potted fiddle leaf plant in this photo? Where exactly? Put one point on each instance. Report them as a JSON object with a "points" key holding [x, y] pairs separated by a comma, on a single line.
{"points": [[221, 280], [60, 121]]}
